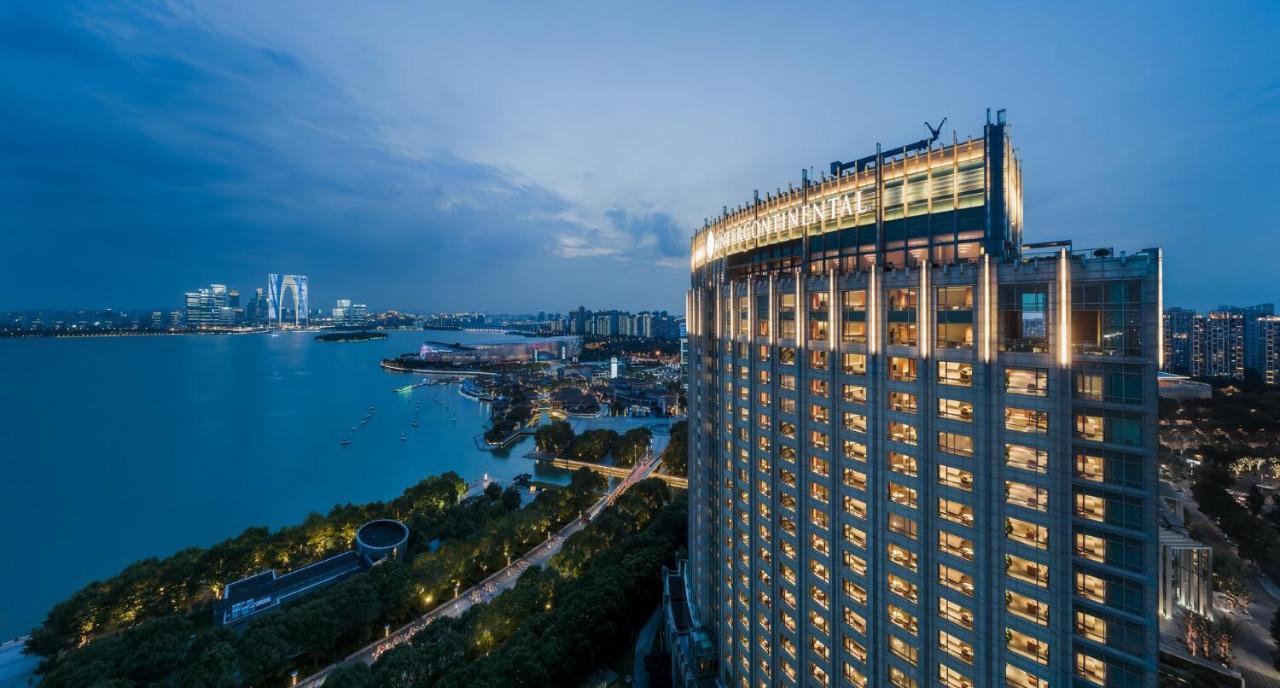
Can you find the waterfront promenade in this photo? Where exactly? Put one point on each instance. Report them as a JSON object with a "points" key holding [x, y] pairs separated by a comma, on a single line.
{"points": [[492, 586]]}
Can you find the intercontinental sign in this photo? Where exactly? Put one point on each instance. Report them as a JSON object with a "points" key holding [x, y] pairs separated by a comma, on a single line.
{"points": [[779, 225]]}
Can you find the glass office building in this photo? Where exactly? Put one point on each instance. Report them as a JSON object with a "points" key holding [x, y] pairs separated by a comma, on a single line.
{"points": [[922, 452]]}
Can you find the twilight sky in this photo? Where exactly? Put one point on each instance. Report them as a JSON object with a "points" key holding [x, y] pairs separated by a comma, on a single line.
{"points": [[540, 155]]}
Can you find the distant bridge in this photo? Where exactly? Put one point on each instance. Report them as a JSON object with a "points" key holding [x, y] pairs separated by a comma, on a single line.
{"points": [[610, 471]]}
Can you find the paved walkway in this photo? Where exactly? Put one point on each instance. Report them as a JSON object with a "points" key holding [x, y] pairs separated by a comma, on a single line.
{"points": [[490, 587], [1253, 647]]}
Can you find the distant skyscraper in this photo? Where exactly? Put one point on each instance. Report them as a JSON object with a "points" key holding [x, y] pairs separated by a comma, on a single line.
{"points": [[921, 453], [287, 300], [1179, 336], [1224, 344], [1269, 345], [209, 307], [1253, 344]]}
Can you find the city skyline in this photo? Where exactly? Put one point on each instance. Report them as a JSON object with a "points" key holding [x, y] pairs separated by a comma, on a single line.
{"points": [[182, 145]]}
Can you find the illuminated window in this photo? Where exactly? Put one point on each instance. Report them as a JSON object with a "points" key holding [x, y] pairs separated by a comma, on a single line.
{"points": [[1033, 382], [1026, 496], [819, 466], [902, 401], [1026, 570], [856, 479], [1092, 627], [955, 512], [902, 556], [956, 443], [854, 591], [906, 651], [1090, 467], [855, 507], [902, 463], [1091, 547], [1091, 669], [903, 369], [818, 413], [902, 525], [855, 536], [903, 588], [820, 519], [854, 648], [899, 679], [1026, 458], [955, 579], [955, 613], [855, 393], [1028, 608], [1026, 420], [955, 545], [855, 421], [786, 354], [901, 494], [1017, 677], [855, 677], [854, 563], [855, 621], [853, 325], [818, 387], [854, 364], [1026, 532], [902, 432], [1030, 647], [1091, 587], [855, 450], [819, 440], [819, 648], [955, 477], [903, 619], [950, 678], [955, 647], [818, 360], [955, 374], [954, 409], [1091, 507]]}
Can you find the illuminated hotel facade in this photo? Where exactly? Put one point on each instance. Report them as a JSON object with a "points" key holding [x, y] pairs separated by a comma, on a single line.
{"points": [[922, 453]]}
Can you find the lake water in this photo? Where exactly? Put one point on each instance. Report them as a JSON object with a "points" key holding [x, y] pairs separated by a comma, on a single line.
{"points": [[120, 448]]}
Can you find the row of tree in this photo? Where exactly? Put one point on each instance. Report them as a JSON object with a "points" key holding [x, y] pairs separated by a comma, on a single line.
{"points": [[477, 536], [558, 438], [557, 623], [190, 580]]}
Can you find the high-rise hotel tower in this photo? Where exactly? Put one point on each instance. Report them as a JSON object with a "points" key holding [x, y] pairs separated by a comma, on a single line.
{"points": [[922, 452]]}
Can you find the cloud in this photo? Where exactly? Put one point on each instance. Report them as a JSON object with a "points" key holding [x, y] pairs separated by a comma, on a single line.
{"points": [[653, 238], [151, 153]]}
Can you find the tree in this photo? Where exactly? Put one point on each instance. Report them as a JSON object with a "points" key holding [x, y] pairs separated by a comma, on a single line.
{"points": [[493, 491], [675, 458], [511, 498], [631, 446], [554, 437]]}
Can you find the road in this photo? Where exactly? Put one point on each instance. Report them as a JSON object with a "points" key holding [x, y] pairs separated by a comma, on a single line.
{"points": [[492, 586], [1254, 646]]}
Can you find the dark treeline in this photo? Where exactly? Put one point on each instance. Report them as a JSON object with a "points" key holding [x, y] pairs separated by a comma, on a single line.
{"points": [[675, 457], [477, 536], [557, 625], [190, 580]]}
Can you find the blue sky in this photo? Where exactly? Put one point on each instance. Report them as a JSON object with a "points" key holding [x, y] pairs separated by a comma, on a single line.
{"points": [[538, 155]]}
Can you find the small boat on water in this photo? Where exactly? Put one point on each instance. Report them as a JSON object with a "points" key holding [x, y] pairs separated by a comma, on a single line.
{"points": [[364, 420], [403, 437], [414, 423], [345, 442], [354, 428]]}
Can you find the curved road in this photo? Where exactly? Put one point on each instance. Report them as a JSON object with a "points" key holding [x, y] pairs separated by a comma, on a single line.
{"points": [[490, 587]]}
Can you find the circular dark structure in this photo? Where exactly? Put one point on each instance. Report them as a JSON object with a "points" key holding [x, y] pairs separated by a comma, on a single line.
{"points": [[378, 540]]}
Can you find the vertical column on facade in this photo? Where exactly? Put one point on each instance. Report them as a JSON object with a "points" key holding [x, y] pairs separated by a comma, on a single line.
{"points": [[925, 460], [1061, 457], [987, 526]]}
